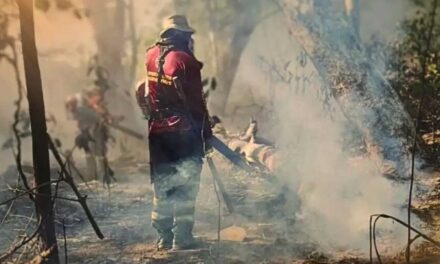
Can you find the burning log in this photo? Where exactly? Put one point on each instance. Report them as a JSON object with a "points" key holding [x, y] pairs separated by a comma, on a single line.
{"points": [[255, 150]]}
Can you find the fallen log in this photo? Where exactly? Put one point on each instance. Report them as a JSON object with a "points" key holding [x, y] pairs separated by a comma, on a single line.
{"points": [[255, 150]]}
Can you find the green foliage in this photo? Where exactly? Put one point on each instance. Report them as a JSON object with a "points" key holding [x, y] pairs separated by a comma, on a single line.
{"points": [[414, 62], [412, 68]]}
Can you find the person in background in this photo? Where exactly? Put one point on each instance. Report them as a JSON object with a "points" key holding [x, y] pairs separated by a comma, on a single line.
{"points": [[88, 110]]}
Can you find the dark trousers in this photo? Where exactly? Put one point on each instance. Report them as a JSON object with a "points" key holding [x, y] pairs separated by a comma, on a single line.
{"points": [[176, 164]]}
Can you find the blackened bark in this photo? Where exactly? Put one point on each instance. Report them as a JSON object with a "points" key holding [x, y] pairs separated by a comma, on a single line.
{"points": [[40, 150]]}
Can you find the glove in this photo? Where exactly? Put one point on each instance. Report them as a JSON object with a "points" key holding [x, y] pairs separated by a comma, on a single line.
{"points": [[82, 141], [207, 149]]}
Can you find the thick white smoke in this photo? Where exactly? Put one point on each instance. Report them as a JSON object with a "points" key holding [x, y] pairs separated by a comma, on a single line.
{"points": [[338, 191]]}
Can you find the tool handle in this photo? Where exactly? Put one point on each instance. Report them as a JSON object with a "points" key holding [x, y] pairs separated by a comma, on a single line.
{"points": [[221, 186]]}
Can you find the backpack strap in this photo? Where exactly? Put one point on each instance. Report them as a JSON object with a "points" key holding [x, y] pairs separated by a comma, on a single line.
{"points": [[162, 95], [164, 51]]}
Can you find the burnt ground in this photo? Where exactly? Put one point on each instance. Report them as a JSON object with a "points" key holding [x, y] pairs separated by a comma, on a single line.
{"points": [[123, 216]]}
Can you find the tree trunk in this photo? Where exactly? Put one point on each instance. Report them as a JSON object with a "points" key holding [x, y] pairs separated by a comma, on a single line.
{"points": [[108, 19], [227, 48], [229, 36], [364, 95], [228, 58], [40, 150]]}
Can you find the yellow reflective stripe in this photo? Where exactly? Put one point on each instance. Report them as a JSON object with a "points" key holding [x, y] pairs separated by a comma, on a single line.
{"points": [[164, 81], [162, 202], [158, 216], [184, 218], [155, 75]]}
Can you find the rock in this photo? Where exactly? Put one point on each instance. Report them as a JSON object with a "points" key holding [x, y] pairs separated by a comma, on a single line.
{"points": [[233, 233]]}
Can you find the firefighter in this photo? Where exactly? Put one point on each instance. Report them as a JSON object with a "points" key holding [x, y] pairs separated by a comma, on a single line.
{"points": [[178, 126], [88, 110]]}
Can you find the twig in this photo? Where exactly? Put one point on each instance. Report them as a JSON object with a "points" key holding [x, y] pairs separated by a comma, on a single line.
{"points": [[24, 217], [374, 241], [218, 214], [65, 244], [371, 238], [8, 212], [27, 225], [70, 166], [21, 254], [27, 192], [24, 241], [373, 234], [411, 242], [69, 180], [419, 115], [57, 185], [20, 88]]}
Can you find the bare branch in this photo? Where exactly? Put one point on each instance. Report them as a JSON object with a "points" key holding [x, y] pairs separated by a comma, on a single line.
{"points": [[69, 180]]}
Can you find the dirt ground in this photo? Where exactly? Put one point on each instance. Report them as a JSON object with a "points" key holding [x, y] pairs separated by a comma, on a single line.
{"points": [[123, 214]]}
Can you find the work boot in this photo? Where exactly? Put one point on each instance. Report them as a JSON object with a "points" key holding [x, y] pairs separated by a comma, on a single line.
{"points": [[165, 242], [183, 237], [163, 228], [189, 243]]}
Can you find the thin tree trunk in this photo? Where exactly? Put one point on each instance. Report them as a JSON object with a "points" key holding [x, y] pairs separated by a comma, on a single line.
{"points": [[108, 19], [134, 42], [228, 61], [229, 37], [40, 150]]}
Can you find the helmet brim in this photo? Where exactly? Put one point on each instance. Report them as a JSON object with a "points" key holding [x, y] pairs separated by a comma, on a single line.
{"points": [[182, 29]]}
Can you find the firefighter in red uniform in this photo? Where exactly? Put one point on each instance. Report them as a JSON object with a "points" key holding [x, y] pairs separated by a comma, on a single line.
{"points": [[88, 109], [178, 123]]}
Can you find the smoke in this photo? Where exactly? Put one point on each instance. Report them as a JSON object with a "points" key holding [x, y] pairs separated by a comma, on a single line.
{"points": [[382, 18], [65, 45], [338, 191]]}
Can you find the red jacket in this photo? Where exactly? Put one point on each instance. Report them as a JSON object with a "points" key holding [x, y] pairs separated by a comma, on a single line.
{"points": [[187, 68]]}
